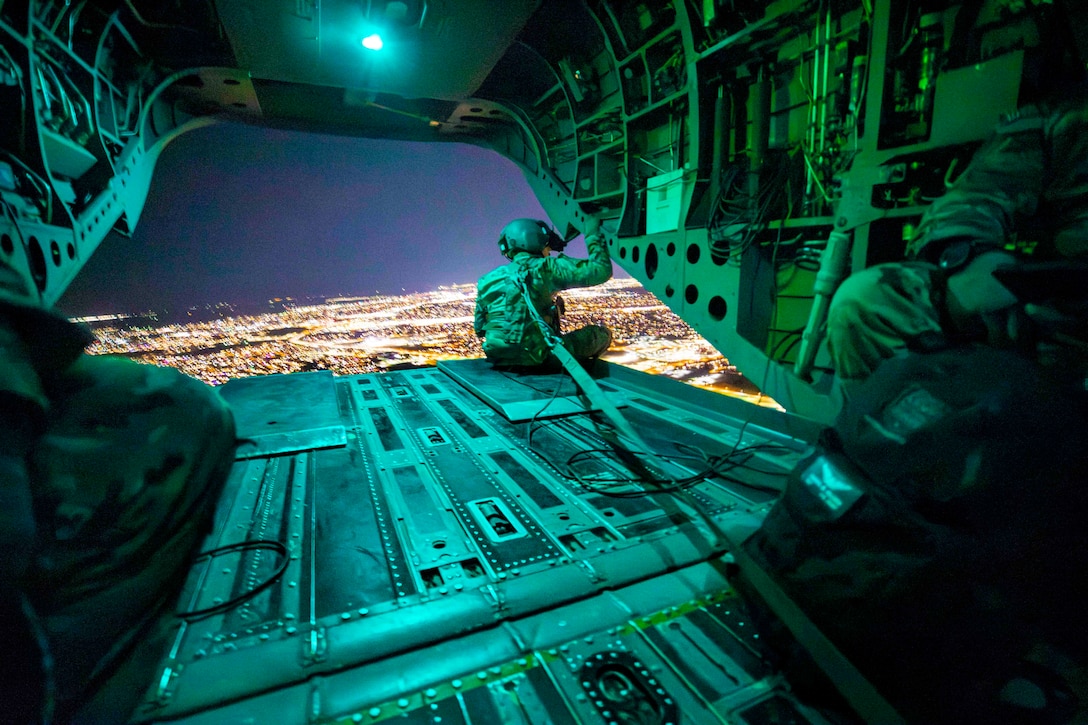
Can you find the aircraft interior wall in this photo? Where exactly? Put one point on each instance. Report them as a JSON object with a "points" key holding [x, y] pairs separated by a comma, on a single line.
{"points": [[744, 156], [748, 156]]}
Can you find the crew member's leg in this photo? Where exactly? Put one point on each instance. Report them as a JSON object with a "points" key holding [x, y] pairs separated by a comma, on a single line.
{"points": [[880, 312], [587, 342], [125, 483]]}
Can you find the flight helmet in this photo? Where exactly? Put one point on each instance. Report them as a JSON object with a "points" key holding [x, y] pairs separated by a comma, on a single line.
{"points": [[528, 235]]}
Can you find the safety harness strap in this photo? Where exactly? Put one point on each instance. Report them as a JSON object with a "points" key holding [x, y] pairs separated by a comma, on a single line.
{"points": [[582, 379]]}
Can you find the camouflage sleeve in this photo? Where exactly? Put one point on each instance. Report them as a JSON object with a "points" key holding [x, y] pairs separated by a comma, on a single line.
{"points": [[17, 528], [20, 381], [1000, 189], [34, 341], [566, 272], [480, 317], [23, 406]]}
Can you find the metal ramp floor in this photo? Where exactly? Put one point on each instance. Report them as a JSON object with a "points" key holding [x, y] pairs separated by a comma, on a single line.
{"points": [[417, 559]]}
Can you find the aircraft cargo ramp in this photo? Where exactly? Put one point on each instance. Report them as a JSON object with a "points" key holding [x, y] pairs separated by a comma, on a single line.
{"points": [[395, 546]]}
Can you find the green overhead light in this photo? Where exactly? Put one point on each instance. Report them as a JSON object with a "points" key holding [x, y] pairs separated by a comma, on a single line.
{"points": [[373, 42]]}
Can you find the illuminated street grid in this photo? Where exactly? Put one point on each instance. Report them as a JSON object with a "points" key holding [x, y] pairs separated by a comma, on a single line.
{"points": [[371, 334]]}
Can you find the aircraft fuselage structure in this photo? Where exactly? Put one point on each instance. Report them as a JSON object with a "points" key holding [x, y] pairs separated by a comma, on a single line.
{"points": [[743, 157]]}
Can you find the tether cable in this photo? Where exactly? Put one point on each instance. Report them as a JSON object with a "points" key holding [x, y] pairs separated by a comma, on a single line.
{"points": [[242, 546]]}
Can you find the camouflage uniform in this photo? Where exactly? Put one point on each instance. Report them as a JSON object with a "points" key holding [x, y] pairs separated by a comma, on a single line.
{"points": [[1031, 177], [511, 336], [111, 471]]}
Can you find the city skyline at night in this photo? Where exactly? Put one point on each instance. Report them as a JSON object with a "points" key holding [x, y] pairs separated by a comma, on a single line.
{"points": [[358, 335], [265, 251]]}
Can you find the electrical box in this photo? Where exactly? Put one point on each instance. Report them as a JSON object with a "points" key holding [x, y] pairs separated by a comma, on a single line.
{"points": [[665, 197]]}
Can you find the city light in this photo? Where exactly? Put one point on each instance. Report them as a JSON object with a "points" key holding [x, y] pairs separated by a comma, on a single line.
{"points": [[358, 335]]}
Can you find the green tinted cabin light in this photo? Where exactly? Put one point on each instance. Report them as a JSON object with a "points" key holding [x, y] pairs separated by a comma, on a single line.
{"points": [[373, 42]]}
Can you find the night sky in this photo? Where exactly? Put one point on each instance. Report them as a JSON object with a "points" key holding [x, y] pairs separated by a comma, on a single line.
{"points": [[244, 214]]}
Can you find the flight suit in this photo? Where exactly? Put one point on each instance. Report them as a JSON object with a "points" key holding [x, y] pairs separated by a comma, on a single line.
{"points": [[1028, 181], [511, 335], [109, 474]]}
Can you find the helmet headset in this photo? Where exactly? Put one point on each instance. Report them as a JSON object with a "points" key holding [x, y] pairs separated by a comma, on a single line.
{"points": [[528, 235]]}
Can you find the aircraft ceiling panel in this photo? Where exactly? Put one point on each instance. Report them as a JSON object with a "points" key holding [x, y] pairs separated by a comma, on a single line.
{"points": [[431, 49], [337, 110]]}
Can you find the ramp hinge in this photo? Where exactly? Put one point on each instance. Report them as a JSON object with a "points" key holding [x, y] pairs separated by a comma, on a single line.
{"points": [[315, 647]]}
